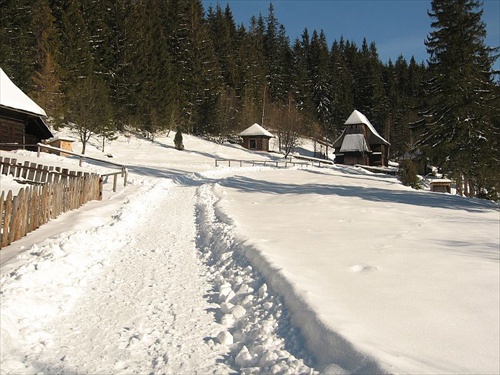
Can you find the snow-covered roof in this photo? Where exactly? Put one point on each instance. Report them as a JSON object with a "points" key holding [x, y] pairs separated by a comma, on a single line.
{"points": [[61, 138], [357, 117], [255, 130], [11, 96], [354, 142]]}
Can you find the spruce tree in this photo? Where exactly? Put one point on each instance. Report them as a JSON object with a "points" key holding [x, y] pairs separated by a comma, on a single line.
{"points": [[342, 93], [320, 75], [46, 79], [76, 58], [459, 129], [17, 43]]}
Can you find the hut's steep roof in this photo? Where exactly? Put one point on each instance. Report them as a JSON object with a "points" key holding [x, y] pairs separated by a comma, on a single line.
{"points": [[354, 142], [256, 130], [357, 117], [12, 97]]}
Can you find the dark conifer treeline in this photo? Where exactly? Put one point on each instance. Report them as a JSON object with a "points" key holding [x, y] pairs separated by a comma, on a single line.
{"points": [[161, 64], [155, 65]]}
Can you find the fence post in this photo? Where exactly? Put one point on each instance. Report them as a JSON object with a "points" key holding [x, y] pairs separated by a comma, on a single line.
{"points": [[7, 219], [100, 188], [125, 175], [2, 214]]}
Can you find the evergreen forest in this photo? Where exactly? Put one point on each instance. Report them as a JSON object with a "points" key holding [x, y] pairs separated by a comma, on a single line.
{"points": [[151, 65]]}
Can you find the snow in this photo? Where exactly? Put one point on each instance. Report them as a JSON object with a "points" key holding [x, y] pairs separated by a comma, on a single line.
{"points": [[12, 97], [354, 142], [256, 129], [357, 117], [196, 269]]}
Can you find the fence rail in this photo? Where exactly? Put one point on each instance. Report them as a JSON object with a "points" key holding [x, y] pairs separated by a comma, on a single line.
{"points": [[35, 205], [276, 163], [49, 192], [123, 170]]}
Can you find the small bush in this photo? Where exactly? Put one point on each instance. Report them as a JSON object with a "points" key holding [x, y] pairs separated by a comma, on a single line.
{"points": [[408, 174], [179, 145]]}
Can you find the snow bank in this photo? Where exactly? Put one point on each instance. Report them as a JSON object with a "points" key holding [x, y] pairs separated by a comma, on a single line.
{"points": [[290, 271], [258, 331]]}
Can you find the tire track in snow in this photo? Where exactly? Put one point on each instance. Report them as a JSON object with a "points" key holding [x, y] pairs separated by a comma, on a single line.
{"points": [[146, 311]]}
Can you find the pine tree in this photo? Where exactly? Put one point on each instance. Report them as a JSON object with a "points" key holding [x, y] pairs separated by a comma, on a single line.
{"points": [[254, 73], [76, 58], [459, 129], [320, 75], [408, 92], [342, 100], [17, 45], [46, 80], [278, 57]]}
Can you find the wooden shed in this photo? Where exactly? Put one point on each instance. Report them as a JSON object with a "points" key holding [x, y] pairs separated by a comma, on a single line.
{"points": [[64, 143], [256, 138], [440, 185], [21, 119], [360, 143]]}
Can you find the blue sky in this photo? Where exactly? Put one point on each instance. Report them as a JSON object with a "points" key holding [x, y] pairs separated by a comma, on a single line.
{"points": [[396, 26]]}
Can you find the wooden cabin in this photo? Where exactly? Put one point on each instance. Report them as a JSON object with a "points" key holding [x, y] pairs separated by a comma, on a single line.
{"points": [[360, 143], [64, 143], [21, 119], [441, 185], [256, 138]]}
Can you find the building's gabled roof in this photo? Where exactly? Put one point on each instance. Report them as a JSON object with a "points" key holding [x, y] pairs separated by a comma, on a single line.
{"points": [[255, 130], [12, 97], [357, 117], [354, 143]]}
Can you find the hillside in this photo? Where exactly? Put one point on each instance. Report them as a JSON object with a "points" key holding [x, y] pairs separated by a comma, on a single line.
{"points": [[196, 269]]}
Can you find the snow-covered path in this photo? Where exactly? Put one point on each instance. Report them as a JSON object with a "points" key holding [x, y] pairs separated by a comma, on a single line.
{"points": [[157, 289], [161, 313], [191, 268]]}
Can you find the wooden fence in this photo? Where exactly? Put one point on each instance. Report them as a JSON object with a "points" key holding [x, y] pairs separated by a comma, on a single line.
{"points": [[49, 192], [274, 163], [123, 170], [306, 161]]}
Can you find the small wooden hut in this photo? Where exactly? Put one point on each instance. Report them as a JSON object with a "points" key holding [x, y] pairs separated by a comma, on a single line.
{"points": [[21, 119], [440, 185], [62, 142], [360, 143], [256, 138]]}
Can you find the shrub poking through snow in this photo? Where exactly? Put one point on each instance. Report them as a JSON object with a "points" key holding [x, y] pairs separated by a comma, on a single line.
{"points": [[179, 145], [408, 174]]}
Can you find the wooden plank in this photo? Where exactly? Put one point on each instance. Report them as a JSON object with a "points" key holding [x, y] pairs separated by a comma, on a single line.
{"points": [[45, 209], [24, 170], [24, 211], [31, 172], [16, 216], [4, 165], [38, 173], [2, 216], [7, 219], [44, 174], [35, 209]]}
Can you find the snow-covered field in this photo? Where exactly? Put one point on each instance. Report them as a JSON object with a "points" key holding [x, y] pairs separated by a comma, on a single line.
{"points": [[196, 269]]}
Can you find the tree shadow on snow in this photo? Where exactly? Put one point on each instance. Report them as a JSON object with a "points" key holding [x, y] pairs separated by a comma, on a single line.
{"points": [[410, 197]]}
